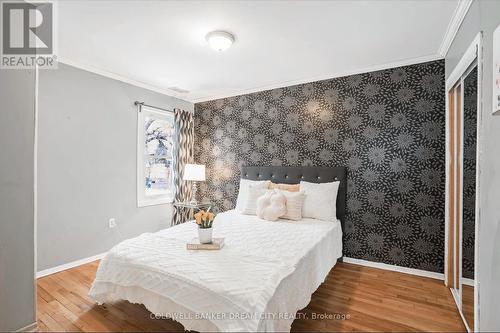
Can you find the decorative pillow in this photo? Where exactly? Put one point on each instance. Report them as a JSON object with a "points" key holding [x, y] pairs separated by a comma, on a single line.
{"points": [[243, 192], [255, 191], [285, 187], [271, 205], [320, 201], [294, 203]]}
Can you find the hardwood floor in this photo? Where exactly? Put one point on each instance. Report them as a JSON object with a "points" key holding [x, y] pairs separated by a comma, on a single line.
{"points": [[354, 298]]}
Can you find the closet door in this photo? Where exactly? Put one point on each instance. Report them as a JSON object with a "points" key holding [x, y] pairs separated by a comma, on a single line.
{"points": [[462, 210], [468, 209], [463, 88], [454, 185], [458, 188]]}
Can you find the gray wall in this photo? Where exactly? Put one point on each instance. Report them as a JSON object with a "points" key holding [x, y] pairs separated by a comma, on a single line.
{"points": [[485, 16], [87, 165], [17, 132]]}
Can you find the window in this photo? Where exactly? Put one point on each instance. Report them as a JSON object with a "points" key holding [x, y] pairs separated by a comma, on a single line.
{"points": [[155, 144]]}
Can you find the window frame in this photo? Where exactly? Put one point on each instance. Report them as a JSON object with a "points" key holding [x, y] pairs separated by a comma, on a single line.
{"points": [[142, 199]]}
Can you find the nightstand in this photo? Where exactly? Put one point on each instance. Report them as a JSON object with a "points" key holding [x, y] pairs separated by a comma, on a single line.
{"points": [[189, 205], [188, 208]]}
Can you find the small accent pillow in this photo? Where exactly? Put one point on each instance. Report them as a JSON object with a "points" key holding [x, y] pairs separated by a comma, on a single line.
{"points": [[321, 200], [271, 205], [294, 203], [285, 187], [255, 191], [243, 192]]}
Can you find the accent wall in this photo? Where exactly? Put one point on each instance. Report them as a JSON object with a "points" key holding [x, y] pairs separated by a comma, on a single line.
{"points": [[387, 127]]}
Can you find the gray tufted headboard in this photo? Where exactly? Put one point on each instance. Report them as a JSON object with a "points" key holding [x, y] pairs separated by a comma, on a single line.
{"points": [[293, 175]]}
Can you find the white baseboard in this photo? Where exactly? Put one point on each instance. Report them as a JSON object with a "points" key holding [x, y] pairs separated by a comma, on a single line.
{"points": [[400, 269], [468, 282], [69, 265], [33, 327]]}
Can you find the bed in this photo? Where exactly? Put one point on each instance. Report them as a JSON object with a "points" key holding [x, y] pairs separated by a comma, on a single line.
{"points": [[265, 273]]}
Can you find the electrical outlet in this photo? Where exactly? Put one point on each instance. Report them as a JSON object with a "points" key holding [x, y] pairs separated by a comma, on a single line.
{"points": [[112, 223]]}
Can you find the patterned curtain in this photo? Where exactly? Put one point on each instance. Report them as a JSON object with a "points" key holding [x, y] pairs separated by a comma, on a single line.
{"points": [[184, 138]]}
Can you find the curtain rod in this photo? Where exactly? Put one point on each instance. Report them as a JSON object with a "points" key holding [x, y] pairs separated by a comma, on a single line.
{"points": [[137, 103]]}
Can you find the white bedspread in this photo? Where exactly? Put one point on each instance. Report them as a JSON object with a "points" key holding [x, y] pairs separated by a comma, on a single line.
{"points": [[257, 282]]}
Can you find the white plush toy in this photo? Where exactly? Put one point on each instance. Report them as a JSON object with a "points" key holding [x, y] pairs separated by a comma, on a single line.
{"points": [[271, 205]]}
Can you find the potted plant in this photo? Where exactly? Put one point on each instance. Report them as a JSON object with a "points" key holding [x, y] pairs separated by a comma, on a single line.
{"points": [[204, 220]]}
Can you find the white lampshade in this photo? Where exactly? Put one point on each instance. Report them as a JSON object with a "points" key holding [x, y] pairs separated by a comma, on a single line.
{"points": [[195, 172]]}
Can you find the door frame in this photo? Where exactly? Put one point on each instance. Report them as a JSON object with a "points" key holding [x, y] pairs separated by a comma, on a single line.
{"points": [[473, 53]]}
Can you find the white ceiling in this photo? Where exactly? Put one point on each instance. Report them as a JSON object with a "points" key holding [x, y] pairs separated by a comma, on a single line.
{"points": [[161, 44]]}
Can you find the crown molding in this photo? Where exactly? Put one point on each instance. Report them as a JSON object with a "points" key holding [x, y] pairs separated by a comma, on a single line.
{"points": [[455, 22], [400, 63], [118, 77]]}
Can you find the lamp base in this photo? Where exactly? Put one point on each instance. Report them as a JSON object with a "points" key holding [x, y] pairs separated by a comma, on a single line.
{"points": [[193, 194]]}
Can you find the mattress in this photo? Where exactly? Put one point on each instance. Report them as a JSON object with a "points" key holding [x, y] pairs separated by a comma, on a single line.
{"points": [[264, 274]]}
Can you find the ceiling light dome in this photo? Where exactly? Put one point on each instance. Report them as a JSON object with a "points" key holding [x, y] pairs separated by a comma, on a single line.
{"points": [[220, 40]]}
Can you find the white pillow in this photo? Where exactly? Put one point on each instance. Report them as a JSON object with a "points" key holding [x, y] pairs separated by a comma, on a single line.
{"points": [[254, 193], [271, 205], [243, 192], [294, 203], [321, 200]]}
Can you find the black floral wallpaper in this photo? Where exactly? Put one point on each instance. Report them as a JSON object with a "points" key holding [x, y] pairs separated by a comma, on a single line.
{"points": [[387, 127]]}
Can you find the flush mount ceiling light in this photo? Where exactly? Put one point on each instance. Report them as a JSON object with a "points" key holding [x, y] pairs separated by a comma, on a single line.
{"points": [[220, 40]]}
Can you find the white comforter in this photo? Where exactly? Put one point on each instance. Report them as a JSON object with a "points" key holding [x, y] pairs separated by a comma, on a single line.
{"points": [[257, 282]]}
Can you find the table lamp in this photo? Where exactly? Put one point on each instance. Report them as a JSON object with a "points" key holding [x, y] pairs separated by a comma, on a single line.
{"points": [[194, 173]]}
